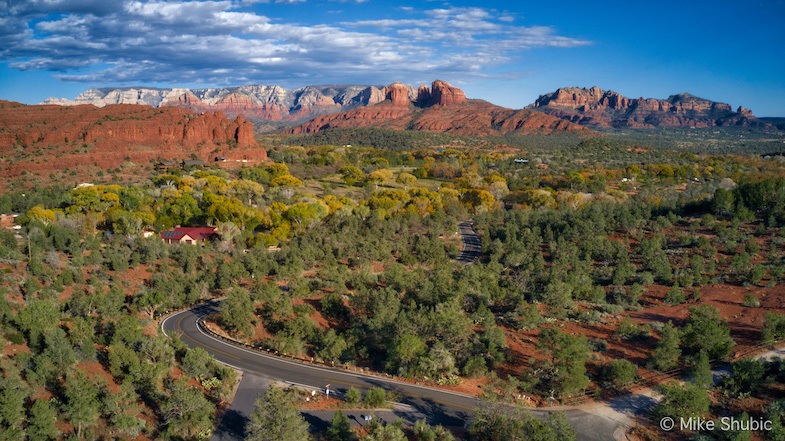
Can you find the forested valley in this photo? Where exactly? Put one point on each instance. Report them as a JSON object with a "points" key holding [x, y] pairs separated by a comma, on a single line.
{"points": [[604, 264]]}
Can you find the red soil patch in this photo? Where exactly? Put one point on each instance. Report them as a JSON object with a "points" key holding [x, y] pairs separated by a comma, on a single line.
{"points": [[745, 325], [321, 402], [10, 350], [260, 332], [95, 369], [468, 386]]}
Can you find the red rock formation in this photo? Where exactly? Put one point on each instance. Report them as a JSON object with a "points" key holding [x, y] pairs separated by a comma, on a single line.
{"points": [[745, 112], [397, 94], [423, 94], [384, 114], [442, 94], [596, 107], [108, 136], [448, 114]]}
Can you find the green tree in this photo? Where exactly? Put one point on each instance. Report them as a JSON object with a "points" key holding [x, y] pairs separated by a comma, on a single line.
{"points": [[619, 372], [700, 374], [706, 331], [39, 316], [404, 355], [122, 411], [723, 201], [746, 378], [683, 401], [83, 406], [351, 174], [424, 432], [197, 362], [775, 412], [186, 412], [333, 346], [353, 395], [150, 300], [13, 394], [276, 418], [237, 312], [667, 352], [41, 422], [375, 397], [773, 327], [340, 429], [385, 432], [567, 354], [498, 422]]}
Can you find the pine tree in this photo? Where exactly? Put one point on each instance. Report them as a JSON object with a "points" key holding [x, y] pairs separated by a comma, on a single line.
{"points": [[666, 354], [701, 375], [276, 418], [340, 429], [41, 422]]}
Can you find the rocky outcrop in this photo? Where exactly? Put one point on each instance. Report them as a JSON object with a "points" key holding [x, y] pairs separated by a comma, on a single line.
{"points": [[600, 108], [109, 136], [397, 94], [424, 94], [257, 102], [442, 94], [440, 109]]}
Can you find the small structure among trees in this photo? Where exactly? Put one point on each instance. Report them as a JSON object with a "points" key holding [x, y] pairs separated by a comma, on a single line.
{"points": [[191, 235]]}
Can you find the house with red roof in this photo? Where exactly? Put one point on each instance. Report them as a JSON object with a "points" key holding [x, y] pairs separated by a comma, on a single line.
{"points": [[191, 235]]}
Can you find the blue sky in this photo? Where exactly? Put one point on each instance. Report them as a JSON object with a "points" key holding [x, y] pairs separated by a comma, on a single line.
{"points": [[508, 52]]}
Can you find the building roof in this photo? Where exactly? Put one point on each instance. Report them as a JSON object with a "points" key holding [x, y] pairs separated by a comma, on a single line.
{"points": [[196, 233]]}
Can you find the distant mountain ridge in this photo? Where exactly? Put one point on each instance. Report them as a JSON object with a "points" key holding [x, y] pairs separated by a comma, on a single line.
{"points": [[441, 108], [591, 107], [595, 107], [257, 102]]}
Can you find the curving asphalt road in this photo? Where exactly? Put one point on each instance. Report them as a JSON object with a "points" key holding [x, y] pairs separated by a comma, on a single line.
{"points": [[439, 406]]}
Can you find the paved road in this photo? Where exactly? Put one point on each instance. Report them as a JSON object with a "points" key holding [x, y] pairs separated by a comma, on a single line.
{"points": [[472, 246], [443, 407], [260, 369]]}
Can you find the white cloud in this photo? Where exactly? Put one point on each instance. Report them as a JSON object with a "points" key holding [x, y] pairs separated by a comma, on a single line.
{"points": [[226, 43]]}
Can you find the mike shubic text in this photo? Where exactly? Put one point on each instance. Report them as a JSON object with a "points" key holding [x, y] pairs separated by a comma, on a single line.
{"points": [[697, 424]]}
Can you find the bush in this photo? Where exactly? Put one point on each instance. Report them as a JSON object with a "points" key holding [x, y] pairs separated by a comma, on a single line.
{"points": [[675, 296], [475, 367], [705, 330], [619, 373], [773, 327], [747, 376], [375, 397], [629, 330], [750, 301], [683, 401], [353, 396]]}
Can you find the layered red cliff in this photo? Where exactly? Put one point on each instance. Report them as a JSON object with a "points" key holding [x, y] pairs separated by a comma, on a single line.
{"points": [[108, 136]]}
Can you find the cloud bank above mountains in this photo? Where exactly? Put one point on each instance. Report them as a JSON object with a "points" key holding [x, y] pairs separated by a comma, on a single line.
{"points": [[242, 42]]}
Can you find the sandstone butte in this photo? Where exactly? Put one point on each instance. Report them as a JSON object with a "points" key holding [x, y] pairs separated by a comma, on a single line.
{"points": [[441, 108], [600, 108], [86, 135]]}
